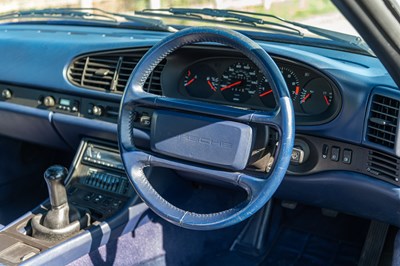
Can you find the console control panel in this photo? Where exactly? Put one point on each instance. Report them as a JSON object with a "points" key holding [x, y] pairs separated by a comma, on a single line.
{"points": [[333, 155], [60, 103], [99, 182]]}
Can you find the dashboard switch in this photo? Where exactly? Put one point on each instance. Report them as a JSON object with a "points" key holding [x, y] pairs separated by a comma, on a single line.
{"points": [[325, 151], [335, 154], [49, 101], [97, 110], [6, 94], [347, 154], [145, 120]]}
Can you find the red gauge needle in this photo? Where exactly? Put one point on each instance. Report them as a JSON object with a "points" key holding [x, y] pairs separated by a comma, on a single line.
{"points": [[190, 82], [211, 85], [326, 100], [297, 90], [306, 97], [231, 85], [265, 93]]}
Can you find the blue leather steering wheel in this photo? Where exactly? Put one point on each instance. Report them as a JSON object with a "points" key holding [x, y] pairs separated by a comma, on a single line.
{"points": [[259, 188]]}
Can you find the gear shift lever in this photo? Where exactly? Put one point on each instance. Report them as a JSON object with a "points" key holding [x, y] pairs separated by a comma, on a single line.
{"points": [[61, 220], [54, 177], [58, 216]]}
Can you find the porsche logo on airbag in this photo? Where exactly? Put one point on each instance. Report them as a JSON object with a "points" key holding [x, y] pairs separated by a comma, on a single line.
{"points": [[205, 141]]}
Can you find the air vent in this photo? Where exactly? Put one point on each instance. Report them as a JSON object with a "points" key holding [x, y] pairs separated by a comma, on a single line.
{"points": [[383, 166], [111, 72], [382, 123]]}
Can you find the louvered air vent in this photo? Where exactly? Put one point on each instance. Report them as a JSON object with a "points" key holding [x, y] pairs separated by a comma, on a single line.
{"points": [[382, 123], [383, 166], [111, 72]]}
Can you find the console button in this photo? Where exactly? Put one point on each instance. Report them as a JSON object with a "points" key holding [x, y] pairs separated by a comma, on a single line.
{"points": [[98, 199], [347, 154], [107, 202], [116, 203], [335, 154], [88, 196]]}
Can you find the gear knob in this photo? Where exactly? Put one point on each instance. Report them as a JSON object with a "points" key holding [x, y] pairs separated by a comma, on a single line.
{"points": [[54, 177]]}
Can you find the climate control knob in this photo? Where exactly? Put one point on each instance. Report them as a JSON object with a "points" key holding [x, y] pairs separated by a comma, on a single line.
{"points": [[49, 101], [97, 110], [6, 94]]}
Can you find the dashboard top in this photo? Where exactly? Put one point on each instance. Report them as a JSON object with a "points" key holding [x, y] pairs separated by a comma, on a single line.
{"points": [[50, 49]]}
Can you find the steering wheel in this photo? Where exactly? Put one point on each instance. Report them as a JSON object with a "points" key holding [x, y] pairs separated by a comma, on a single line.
{"points": [[201, 138]]}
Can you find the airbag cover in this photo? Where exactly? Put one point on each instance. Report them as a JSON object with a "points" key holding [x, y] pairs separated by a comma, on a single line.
{"points": [[201, 139]]}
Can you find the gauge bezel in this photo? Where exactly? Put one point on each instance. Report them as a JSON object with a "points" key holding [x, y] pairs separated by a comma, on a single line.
{"points": [[220, 58]]}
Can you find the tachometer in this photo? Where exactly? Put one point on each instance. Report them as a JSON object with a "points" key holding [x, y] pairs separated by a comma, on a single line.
{"points": [[200, 81], [239, 82], [292, 81]]}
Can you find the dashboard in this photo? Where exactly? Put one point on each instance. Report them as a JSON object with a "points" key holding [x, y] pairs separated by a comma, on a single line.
{"points": [[224, 77], [60, 84]]}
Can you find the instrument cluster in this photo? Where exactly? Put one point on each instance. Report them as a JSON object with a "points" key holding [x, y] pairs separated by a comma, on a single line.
{"points": [[239, 82]]}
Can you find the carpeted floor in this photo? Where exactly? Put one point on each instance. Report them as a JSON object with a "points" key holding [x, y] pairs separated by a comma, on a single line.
{"points": [[157, 242], [303, 237]]}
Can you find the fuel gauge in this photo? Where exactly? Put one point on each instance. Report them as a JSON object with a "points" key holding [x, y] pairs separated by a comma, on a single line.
{"points": [[200, 81]]}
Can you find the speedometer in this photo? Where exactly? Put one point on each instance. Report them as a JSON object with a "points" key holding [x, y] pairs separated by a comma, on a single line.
{"points": [[239, 82]]}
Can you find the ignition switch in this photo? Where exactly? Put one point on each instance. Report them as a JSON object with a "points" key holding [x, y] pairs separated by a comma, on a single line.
{"points": [[300, 153]]}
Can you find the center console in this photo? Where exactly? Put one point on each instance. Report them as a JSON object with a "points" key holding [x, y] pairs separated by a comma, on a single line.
{"points": [[99, 182], [96, 186]]}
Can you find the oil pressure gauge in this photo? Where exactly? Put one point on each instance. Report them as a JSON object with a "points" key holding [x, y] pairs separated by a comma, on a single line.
{"points": [[200, 81], [316, 96]]}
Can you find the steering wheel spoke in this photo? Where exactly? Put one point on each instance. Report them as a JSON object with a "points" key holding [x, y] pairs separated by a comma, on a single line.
{"points": [[204, 108], [144, 159]]}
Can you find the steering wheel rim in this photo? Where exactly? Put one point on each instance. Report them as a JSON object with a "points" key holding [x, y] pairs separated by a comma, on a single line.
{"points": [[259, 190]]}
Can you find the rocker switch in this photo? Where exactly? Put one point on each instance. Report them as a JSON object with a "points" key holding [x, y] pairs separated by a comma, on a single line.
{"points": [[347, 154], [325, 150], [335, 154]]}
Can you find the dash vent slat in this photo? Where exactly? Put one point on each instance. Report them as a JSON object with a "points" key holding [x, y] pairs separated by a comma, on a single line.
{"points": [[383, 120], [111, 72], [383, 165]]}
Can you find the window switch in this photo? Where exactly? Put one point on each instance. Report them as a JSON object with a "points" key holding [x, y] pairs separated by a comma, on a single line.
{"points": [[335, 154], [347, 154]]}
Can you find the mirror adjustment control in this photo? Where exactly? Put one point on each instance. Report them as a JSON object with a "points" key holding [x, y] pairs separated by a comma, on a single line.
{"points": [[347, 154], [335, 154]]}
